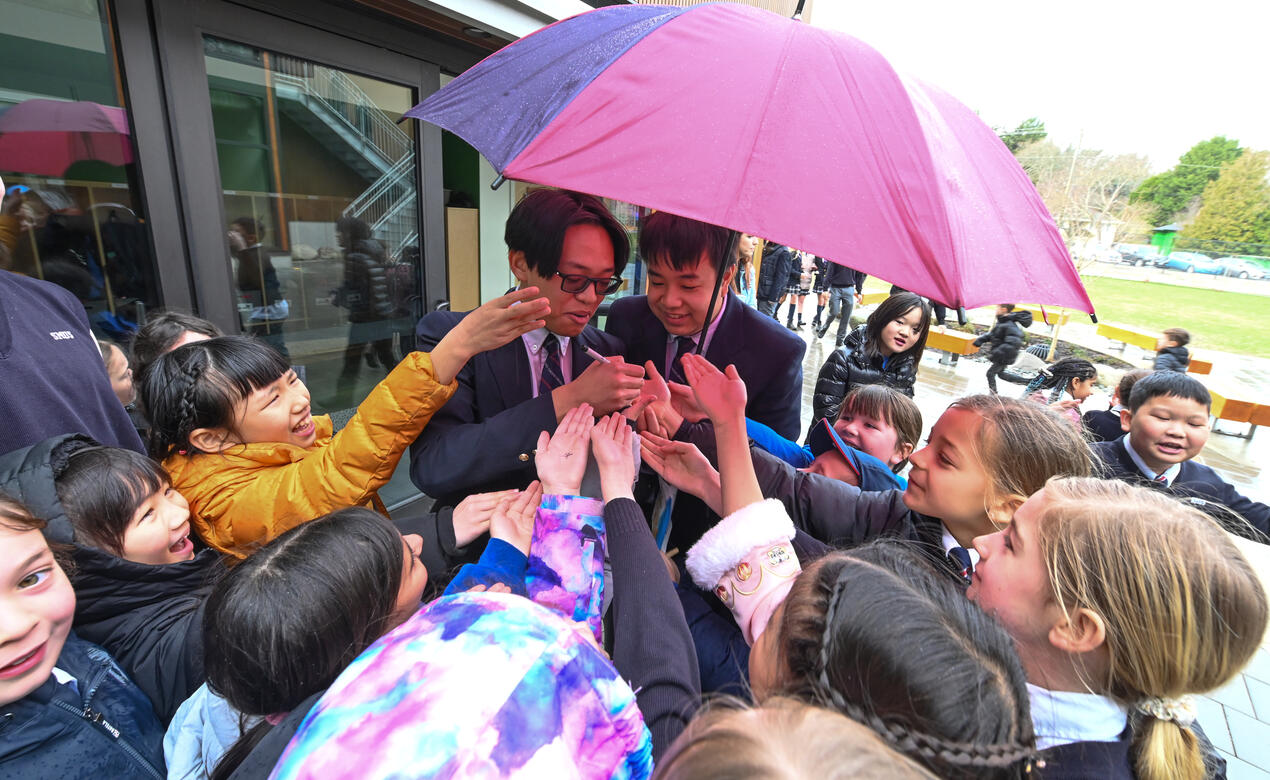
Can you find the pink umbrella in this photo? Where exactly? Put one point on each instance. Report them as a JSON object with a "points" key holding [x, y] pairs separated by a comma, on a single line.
{"points": [[45, 137], [742, 118]]}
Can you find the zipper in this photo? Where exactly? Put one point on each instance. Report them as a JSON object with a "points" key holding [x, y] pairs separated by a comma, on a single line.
{"points": [[104, 726]]}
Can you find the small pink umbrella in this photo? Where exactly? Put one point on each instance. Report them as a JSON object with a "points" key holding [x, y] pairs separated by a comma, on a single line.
{"points": [[45, 137], [738, 117]]}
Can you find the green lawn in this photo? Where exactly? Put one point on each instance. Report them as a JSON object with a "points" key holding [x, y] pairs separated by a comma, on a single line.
{"points": [[1226, 321]]}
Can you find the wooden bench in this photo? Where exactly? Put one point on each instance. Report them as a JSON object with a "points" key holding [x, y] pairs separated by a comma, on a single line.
{"points": [[1147, 341], [1233, 405], [1051, 316], [953, 343], [868, 299]]}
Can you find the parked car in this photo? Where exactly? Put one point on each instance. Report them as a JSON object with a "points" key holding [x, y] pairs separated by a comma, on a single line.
{"points": [[1193, 262], [1241, 268], [1138, 254]]}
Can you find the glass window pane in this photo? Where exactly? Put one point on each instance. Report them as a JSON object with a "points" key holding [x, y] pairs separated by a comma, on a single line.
{"points": [[72, 204]]}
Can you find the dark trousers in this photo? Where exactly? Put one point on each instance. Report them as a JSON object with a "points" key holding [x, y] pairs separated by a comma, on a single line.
{"points": [[768, 307], [1002, 370]]}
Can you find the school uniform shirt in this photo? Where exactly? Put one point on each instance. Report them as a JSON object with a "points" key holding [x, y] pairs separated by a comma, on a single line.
{"points": [[54, 378], [537, 358]]}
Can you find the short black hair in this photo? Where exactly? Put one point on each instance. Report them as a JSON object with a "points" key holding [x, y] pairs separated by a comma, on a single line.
{"points": [[101, 488], [255, 226], [1173, 383], [1008, 306], [538, 223], [679, 241]]}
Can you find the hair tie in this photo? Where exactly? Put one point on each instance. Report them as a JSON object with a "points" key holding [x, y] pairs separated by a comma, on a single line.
{"points": [[1180, 710], [274, 718]]}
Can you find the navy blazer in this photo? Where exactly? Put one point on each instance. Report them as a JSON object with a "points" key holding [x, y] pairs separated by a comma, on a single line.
{"points": [[481, 440], [767, 356], [1195, 481]]}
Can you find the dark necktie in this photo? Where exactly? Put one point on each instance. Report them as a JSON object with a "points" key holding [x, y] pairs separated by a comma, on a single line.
{"points": [[959, 558], [683, 345], [1163, 480], [552, 376]]}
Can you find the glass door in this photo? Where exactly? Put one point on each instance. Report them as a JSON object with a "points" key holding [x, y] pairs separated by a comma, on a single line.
{"points": [[313, 214], [319, 192]]}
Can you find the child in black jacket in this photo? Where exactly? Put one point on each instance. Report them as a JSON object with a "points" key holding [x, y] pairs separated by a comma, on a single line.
{"points": [[1003, 342], [1171, 353]]}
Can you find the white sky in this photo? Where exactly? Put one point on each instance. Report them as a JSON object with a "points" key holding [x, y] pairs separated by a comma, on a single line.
{"points": [[1151, 78]]}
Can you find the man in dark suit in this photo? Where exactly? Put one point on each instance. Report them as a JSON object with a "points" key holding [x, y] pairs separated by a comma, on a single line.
{"points": [[573, 250], [1167, 426], [683, 258]]}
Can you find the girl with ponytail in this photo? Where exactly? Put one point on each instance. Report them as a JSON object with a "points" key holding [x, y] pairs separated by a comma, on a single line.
{"points": [[1073, 376], [1123, 603]]}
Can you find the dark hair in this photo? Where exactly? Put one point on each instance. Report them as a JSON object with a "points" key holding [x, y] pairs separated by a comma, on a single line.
{"points": [[1180, 335], [1173, 383], [877, 634], [161, 331], [100, 489], [356, 229], [285, 622], [1127, 380], [198, 385], [538, 223], [680, 242], [893, 308], [1059, 376], [886, 403], [252, 225], [1008, 306]]}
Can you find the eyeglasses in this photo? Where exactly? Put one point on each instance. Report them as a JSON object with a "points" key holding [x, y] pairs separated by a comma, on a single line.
{"points": [[576, 283]]}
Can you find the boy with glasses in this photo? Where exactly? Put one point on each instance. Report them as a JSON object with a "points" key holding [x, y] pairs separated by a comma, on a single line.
{"points": [[573, 250]]}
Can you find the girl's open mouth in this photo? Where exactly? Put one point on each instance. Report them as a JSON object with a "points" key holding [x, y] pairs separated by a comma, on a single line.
{"points": [[182, 546], [305, 427]]}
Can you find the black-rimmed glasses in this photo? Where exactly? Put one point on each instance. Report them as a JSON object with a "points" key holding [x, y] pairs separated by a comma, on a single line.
{"points": [[576, 283]]}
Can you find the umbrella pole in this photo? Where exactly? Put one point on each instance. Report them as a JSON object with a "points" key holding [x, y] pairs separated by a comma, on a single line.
{"points": [[718, 282], [101, 249]]}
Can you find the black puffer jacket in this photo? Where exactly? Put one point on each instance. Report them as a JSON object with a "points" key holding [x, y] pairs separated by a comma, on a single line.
{"points": [[1006, 337], [850, 365], [148, 617], [1172, 359], [773, 272], [365, 290]]}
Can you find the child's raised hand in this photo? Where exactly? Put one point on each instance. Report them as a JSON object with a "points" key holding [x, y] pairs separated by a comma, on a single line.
{"points": [[612, 446], [487, 327], [684, 402], [721, 395], [683, 466], [654, 385], [660, 418], [507, 317], [472, 515], [561, 459], [513, 518]]}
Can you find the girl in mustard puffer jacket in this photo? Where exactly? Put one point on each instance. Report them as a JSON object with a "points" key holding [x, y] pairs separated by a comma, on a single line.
{"points": [[233, 426]]}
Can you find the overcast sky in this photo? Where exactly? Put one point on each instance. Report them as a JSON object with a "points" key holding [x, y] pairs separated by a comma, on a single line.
{"points": [[1151, 78]]}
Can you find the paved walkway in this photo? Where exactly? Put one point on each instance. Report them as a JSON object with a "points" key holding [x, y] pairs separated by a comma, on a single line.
{"points": [[1237, 716]]}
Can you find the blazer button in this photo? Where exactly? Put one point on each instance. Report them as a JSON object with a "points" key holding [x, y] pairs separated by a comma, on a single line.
{"points": [[524, 457]]}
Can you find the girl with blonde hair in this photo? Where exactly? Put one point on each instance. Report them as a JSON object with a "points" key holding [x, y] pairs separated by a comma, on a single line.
{"points": [[1123, 603]]}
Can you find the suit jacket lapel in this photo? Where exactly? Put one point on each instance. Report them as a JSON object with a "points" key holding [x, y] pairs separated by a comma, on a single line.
{"points": [[725, 343], [510, 366]]}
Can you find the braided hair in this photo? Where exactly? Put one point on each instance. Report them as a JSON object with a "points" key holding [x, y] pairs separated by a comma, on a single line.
{"points": [[880, 636], [1058, 377], [200, 385]]}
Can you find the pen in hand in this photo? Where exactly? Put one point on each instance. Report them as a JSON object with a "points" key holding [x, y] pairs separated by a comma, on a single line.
{"points": [[596, 355]]}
